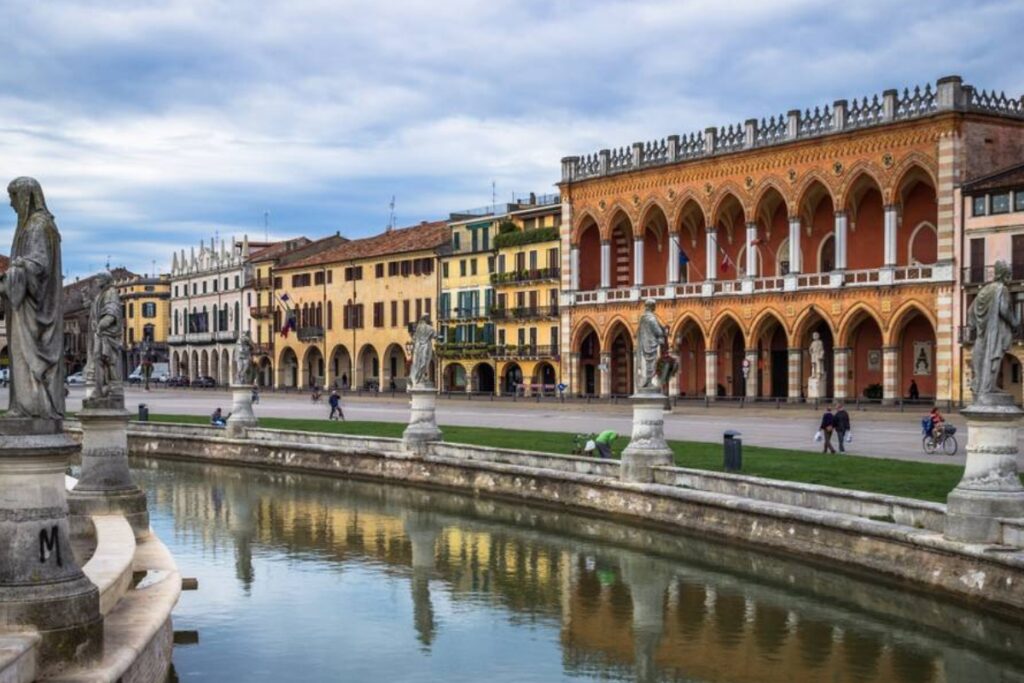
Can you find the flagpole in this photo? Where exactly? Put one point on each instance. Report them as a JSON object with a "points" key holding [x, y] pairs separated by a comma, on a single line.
{"points": [[679, 245]]}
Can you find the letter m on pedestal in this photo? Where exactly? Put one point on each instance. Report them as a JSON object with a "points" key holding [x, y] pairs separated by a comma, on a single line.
{"points": [[49, 544]]}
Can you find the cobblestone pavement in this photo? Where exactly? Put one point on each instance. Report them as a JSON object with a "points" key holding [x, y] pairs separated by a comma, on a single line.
{"points": [[877, 433]]}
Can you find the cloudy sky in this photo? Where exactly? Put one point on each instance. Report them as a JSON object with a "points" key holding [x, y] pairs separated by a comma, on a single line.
{"points": [[154, 124]]}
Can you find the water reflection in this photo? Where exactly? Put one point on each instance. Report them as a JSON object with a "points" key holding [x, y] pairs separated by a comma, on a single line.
{"points": [[309, 578]]}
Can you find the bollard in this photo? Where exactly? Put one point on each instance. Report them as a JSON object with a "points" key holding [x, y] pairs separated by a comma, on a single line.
{"points": [[732, 448], [143, 412]]}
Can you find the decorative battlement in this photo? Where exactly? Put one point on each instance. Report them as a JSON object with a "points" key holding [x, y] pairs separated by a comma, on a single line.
{"points": [[949, 94]]}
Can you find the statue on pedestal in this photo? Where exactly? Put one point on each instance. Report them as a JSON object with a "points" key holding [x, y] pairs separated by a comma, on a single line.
{"points": [[422, 354], [31, 291], [993, 321], [106, 330], [650, 338], [243, 360], [817, 354]]}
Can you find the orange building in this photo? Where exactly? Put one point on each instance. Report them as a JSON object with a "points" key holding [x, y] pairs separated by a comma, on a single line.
{"points": [[750, 238]]}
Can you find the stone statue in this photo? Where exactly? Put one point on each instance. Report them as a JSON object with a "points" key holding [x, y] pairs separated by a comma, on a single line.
{"points": [[650, 337], [422, 354], [243, 360], [31, 291], [817, 353], [993, 320], [106, 330]]}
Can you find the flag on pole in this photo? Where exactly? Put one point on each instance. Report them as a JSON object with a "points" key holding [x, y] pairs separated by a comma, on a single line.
{"points": [[683, 258], [289, 315]]}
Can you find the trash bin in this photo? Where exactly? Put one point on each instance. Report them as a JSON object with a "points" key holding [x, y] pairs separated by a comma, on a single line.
{"points": [[732, 448], [143, 412]]}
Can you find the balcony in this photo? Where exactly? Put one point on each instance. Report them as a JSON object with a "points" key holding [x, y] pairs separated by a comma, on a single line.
{"points": [[266, 349], [525, 276], [466, 313], [310, 333], [980, 275], [262, 284], [227, 335], [261, 311], [525, 313], [463, 349], [526, 351]]}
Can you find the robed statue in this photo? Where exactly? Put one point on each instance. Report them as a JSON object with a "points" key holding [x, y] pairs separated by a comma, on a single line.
{"points": [[993, 320], [243, 360], [31, 291], [817, 353], [106, 330], [422, 354], [650, 338]]}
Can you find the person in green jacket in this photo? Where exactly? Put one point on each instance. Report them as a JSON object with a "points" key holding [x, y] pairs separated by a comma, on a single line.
{"points": [[604, 443]]}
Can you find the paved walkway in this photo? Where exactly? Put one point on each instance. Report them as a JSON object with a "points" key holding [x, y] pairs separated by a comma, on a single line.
{"points": [[876, 434]]}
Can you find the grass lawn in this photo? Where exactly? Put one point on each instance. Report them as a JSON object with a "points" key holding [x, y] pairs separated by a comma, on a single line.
{"points": [[925, 481]]}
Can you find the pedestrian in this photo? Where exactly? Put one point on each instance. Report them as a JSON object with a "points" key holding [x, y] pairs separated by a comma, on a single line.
{"points": [[828, 421], [604, 442], [255, 394], [913, 394], [841, 423], [335, 403]]}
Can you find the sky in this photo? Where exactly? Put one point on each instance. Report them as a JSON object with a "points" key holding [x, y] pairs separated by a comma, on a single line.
{"points": [[153, 125]]}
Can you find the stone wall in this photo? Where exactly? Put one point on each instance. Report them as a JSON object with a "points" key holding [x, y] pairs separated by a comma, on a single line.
{"points": [[814, 522]]}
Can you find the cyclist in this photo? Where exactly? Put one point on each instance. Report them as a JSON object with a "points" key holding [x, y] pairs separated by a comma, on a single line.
{"points": [[938, 424]]}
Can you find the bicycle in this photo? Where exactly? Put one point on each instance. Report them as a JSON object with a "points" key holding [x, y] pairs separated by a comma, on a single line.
{"points": [[945, 440]]}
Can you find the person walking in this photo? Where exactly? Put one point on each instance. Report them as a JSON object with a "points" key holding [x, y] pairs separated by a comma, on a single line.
{"points": [[335, 403], [914, 393], [827, 426], [841, 424], [255, 394]]}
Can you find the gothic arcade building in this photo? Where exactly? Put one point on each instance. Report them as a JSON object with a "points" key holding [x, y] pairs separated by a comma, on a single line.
{"points": [[752, 237]]}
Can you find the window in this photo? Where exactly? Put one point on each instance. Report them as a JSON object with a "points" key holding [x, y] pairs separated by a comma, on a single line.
{"points": [[195, 288], [204, 286], [318, 277], [419, 309], [428, 265], [353, 316], [1018, 200], [487, 238], [330, 276], [131, 310], [405, 312], [979, 206], [501, 263], [501, 337], [490, 264], [472, 267], [149, 288], [476, 240], [353, 273], [533, 260], [554, 339], [1000, 202], [378, 270], [392, 268], [455, 241], [444, 270], [214, 286], [426, 305], [226, 282], [277, 283], [330, 315], [394, 314], [378, 314], [553, 257], [462, 268], [149, 310], [301, 280], [406, 268], [175, 291]]}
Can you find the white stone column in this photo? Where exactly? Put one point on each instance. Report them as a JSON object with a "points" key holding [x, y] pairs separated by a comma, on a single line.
{"points": [[638, 261], [890, 374], [712, 256], [794, 245], [841, 243], [751, 378], [606, 264], [574, 268], [753, 266], [575, 372], [711, 375], [605, 375], [796, 357], [673, 381], [841, 370], [889, 235], [672, 276]]}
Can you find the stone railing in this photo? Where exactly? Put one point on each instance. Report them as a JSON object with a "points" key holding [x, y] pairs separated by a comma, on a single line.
{"points": [[949, 94]]}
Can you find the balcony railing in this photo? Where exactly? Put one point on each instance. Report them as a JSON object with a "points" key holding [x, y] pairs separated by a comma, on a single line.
{"points": [[227, 335], [466, 313], [265, 349], [525, 313], [262, 283], [310, 333], [524, 276], [464, 349], [526, 351], [979, 275], [261, 311]]}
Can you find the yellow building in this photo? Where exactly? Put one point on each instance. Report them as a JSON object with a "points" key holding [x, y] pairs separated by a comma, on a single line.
{"points": [[499, 299], [526, 282], [147, 317], [357, 301]]}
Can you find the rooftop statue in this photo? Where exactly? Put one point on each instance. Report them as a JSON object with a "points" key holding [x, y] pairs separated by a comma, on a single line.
{"points": [[106, 330], [993, 320], [31, 292], [422, 354]]}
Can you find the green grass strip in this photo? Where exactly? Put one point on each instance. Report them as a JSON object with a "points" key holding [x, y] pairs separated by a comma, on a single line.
{"points": [[924, 481]]}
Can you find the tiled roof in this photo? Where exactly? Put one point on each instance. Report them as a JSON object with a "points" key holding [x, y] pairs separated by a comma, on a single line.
{"points": [[401, 240], [277, 249], [314, 247], [1009, 177]]}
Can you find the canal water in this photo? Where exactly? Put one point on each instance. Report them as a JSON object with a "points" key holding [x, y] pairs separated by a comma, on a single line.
{"points": [[306, 578]]}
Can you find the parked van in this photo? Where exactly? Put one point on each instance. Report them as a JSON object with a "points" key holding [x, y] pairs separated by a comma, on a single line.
{"points": [[161, 373]]}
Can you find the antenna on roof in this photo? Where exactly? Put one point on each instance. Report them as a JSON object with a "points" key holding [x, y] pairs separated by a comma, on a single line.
{"points": [[391, 214]]}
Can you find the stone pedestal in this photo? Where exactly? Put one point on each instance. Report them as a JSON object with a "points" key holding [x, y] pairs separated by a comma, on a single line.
{"points": [[647, 447], [990, 487], [422, 427], [816, 388], [41, 583], [105, 485], [241, 417]]}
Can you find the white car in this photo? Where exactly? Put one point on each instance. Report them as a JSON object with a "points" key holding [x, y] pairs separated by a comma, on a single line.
{"points": [[76, 379]]}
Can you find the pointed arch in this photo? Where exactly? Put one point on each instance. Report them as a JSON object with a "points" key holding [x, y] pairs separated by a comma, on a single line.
{"points": [[618, 213], [682, 322], [652, 205], [902, 315], [680, 208], [722, 195], [611, 331], [853, 317], [582, 222], [580, 331], [803, 323], [719, 323], [764, 188], [915, 166], [928, 248], [860, 174], [808, 190], [763, 320]]}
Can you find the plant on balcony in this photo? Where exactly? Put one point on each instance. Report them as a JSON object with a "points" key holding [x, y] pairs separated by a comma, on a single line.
{"points": [[506, 226], [514, 239]]}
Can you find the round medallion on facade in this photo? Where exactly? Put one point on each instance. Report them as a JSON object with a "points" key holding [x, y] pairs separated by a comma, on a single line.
{"points": [[601, 205], [671, 193], [887, 160], [708, 188], [636, 200], [749, 182], [791, 175], [837, 168]]}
